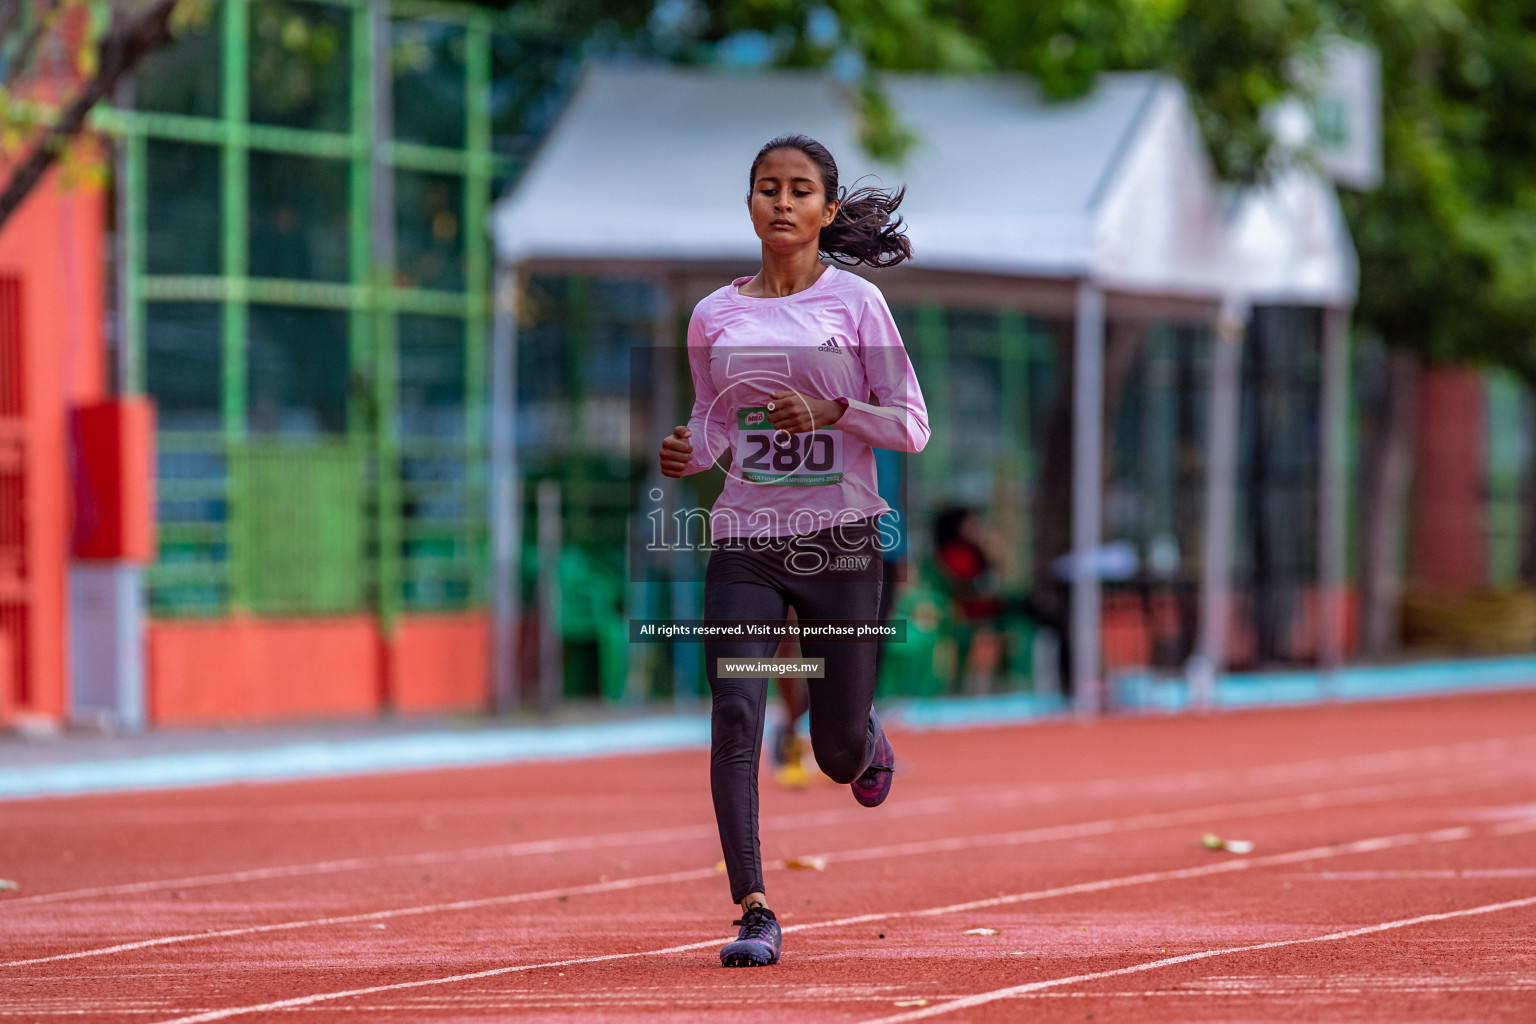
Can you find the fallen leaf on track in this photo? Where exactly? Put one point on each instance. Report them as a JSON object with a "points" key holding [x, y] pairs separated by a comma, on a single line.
{"points": [[1212, 841], [982, 931], [912, 1002], [720, 867], [6, 883], [806, 864]]}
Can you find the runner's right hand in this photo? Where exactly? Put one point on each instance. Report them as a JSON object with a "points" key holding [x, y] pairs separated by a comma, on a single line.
{"points": [[676, 452]]}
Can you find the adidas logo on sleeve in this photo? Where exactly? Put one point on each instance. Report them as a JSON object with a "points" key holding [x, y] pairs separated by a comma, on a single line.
{"points": [[830, 345]]}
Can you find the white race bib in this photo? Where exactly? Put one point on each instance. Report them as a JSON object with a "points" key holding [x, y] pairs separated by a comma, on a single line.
{"points": [[765, 455]]}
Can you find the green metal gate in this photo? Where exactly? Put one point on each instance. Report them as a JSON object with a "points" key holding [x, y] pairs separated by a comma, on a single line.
{"points": [[322, 395]]}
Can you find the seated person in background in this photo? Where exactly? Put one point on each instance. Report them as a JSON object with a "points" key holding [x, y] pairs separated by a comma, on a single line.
{"points": [[966, 575]]}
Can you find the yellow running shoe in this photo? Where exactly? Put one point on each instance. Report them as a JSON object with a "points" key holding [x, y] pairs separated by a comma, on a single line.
{"points": [[789, 759], [791, 776]]}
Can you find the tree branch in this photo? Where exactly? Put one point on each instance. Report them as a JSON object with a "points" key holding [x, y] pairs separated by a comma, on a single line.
{"points": [[125, 47], [22, 60], [10, 14]]}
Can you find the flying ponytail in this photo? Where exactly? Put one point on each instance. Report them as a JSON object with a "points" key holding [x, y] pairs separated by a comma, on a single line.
{"points": [[862, 232]]}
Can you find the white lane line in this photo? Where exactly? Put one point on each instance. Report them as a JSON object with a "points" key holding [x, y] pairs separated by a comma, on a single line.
{"points": [[1424, 758], [1444, 874], [1201, 993], [404, 860], [616, 885], [1246, 809], [1314, 853], [1051, 833], [983, 998], [1304, 802]]}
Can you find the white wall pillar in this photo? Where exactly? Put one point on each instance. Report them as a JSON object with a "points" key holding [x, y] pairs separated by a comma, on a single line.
{"points": [[506, 506], [1210, 657], [1087, 486], [551, 637], [1332, 495], [106, 627]]}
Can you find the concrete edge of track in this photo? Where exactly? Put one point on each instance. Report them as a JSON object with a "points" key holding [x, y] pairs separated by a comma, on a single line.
{"points": [[329, 756], [1143, 692]]}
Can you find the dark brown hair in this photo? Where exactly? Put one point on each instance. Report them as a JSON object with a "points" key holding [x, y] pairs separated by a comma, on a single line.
{"points": [[862, 231]]}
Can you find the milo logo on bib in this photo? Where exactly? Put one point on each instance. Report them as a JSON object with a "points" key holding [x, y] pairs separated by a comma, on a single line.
{"points": [[767, 456]]}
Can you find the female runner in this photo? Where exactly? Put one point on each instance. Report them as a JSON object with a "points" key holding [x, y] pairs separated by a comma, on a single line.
{"points": [[783, 366]]}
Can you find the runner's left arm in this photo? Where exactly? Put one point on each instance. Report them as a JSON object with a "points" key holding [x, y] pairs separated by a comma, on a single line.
{"points": [[900, 421]]}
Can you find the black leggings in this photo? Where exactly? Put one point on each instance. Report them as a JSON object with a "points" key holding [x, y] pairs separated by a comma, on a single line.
{"points": [[744, 582]]}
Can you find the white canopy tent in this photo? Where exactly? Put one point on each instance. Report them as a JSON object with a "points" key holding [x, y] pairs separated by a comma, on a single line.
{"points": [[1095, 208]]}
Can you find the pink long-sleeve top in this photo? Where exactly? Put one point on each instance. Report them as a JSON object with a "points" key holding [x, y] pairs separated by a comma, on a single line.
{"points": [[834, 340]]}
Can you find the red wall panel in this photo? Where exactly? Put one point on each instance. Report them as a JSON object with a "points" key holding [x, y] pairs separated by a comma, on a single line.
{"points": [[440, 662], [115, 480], [51, 358], [1449, 539], [245, 669]]}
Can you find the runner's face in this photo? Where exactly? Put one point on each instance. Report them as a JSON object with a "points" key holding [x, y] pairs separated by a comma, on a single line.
{"points": [[789, 202]]}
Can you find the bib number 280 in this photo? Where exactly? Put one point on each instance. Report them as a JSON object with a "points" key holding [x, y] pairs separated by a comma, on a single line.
{"points": [[769, 456]]}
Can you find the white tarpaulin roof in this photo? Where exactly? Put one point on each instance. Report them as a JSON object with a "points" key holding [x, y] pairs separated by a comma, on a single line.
{"points": [[650, 163], [1290, 245]]}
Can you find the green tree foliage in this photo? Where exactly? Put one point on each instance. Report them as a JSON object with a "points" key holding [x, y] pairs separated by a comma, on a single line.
{"points": [[1234, 55], [1447, 243]]}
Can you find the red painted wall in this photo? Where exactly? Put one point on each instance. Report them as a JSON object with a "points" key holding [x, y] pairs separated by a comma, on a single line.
{"points": [[246, 669], [440, 662], [1448, 535], [52, 247]]}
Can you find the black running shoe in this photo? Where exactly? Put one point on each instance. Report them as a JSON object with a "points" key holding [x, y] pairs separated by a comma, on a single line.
{"points": [[871, 788], [758, 944]]}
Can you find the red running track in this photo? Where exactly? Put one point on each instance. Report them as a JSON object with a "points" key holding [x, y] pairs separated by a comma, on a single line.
{"points": [[1393, 878]]}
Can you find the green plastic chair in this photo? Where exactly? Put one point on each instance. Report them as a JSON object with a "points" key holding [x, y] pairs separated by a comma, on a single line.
{"points": [[592, 611], [913, 669]]}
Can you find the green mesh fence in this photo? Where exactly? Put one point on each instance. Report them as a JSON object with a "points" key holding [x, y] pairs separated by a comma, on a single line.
{"points": [[191, 576], [183, 208], [300, 542], [322, 397]]}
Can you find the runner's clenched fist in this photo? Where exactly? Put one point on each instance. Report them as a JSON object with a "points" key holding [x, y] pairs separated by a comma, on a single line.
{"points": [[676, 452], [797, 413]]}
